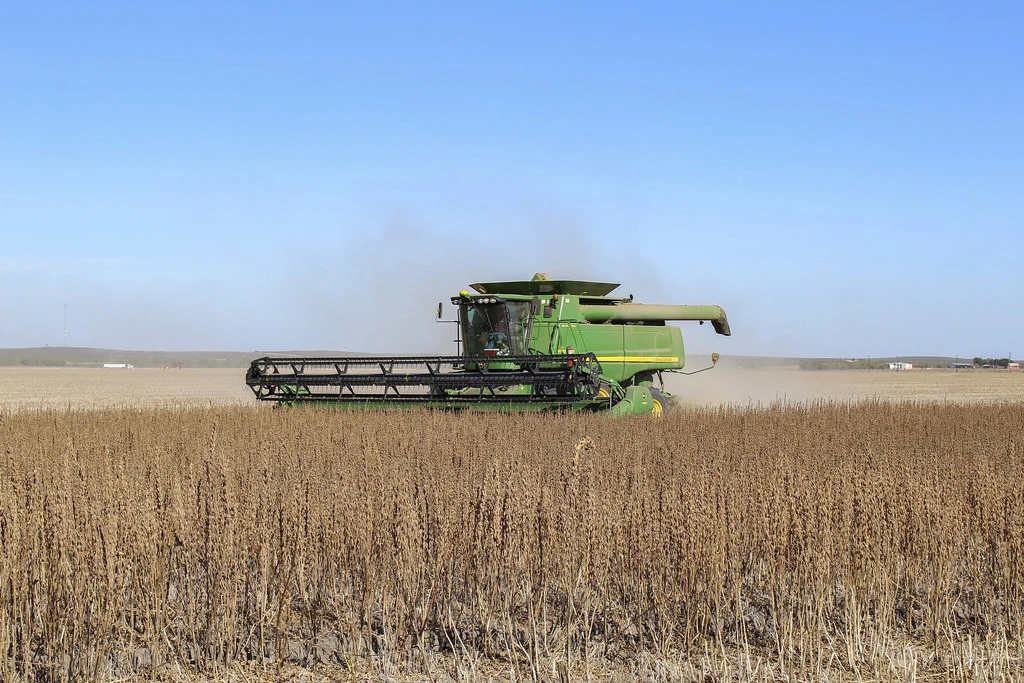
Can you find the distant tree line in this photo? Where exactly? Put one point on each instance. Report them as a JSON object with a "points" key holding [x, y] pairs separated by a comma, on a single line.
{"points": [[991, 362]]}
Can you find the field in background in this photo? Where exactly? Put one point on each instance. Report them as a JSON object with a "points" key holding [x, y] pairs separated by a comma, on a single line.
{"points": [[743, 386], [826, 542], [101, 388], [78, 388]]}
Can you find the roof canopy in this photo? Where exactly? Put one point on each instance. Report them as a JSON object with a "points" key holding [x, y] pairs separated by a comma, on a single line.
{"points": [[536, 286]]}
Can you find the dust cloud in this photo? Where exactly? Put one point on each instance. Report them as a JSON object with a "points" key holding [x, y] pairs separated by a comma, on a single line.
{"points": [[752, 387], [379, 291]]}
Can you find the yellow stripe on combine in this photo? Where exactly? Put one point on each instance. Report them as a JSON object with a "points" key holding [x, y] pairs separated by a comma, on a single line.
{"points": [[638, 359]]}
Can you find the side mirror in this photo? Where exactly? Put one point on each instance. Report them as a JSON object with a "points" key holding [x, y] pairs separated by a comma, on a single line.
{"points": [[440, 309]]}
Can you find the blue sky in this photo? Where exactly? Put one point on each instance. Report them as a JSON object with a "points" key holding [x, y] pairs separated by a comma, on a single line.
{"points": [[844, 180]]}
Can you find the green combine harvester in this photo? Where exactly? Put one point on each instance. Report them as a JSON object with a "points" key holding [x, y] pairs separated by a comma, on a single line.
{"points": [[530, 345]]}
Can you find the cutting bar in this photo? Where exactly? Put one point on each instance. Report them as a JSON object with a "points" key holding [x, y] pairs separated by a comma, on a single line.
{"points": [[443, 379]]}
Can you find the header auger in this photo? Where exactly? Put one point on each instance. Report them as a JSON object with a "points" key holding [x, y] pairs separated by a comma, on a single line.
{"points": [[528, 345]]}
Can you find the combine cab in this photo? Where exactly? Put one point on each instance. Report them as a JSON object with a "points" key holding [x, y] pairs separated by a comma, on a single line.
{"points": [[527, 345]]}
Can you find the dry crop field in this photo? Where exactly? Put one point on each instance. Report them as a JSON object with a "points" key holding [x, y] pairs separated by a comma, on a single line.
{"points": [[95, 388], [828, 541], [92, 388], [766, 386]]}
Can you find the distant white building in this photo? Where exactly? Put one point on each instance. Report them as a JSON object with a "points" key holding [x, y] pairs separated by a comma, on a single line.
{"points": [[118, 365], [901, 366]]}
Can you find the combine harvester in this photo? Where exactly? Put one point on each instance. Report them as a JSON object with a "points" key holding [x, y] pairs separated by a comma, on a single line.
{"points": [[529, 345]]}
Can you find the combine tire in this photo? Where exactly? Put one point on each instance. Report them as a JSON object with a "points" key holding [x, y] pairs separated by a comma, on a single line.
{"points": [[660, 403]]}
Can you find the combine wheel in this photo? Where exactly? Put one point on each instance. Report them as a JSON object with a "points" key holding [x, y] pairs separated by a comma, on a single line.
{"points": [[660, 403], [604, 393]]}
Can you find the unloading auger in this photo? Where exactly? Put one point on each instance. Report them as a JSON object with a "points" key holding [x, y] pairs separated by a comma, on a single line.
{"points": [[529, 345]]}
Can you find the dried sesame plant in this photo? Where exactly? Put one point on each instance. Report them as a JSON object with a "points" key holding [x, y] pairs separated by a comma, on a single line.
{"points": [[868, 541]]}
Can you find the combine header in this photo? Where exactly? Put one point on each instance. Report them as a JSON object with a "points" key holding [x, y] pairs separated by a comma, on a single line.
{"points": [[526, 345]]}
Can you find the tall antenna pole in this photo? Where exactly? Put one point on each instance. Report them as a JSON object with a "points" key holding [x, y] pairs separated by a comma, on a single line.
{"points": [[65, 324]]}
